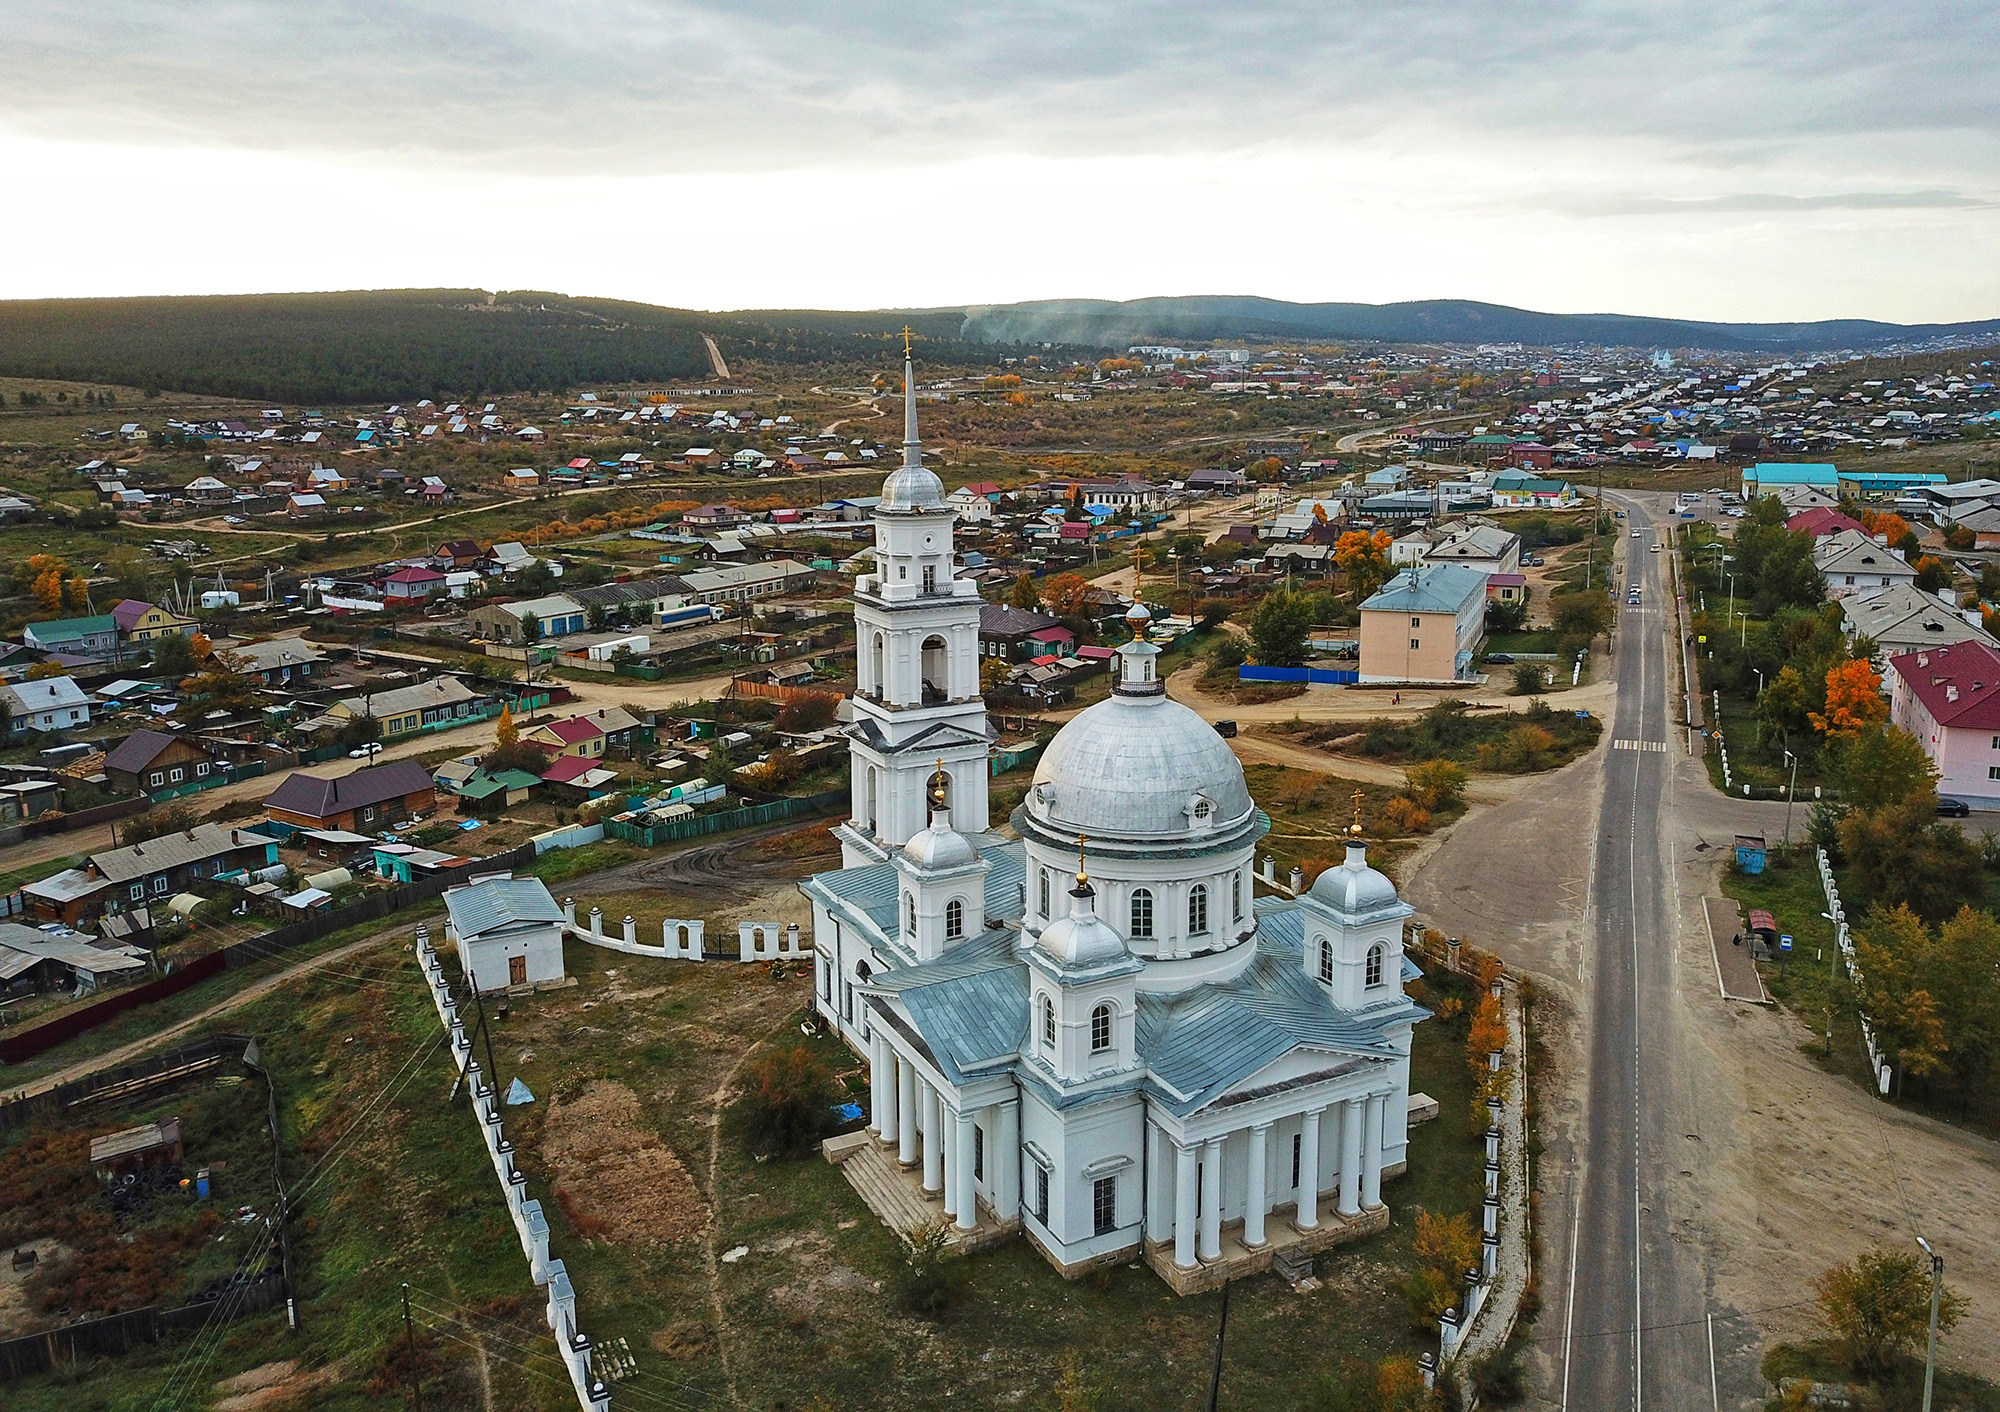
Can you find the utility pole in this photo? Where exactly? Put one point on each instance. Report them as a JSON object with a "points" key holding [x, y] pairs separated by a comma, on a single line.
{"points": [[1930, 1349], [410, 1341]]}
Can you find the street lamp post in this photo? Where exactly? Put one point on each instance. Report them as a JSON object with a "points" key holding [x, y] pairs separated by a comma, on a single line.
{"points": [[1930, 1349]]}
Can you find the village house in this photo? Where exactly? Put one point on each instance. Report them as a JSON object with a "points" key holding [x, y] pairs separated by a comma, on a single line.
{"points": [[46, 705], [576, 735], [634, 600], [160, 762], [362, 801], [303, 505], [1853, 561], [1019, 634], [974, 502], [277, 661], [1904, 618], [94, 638], [1487, 548], [141, 622], [120, 879], [412, 585], [406, 710], [714, 517]]}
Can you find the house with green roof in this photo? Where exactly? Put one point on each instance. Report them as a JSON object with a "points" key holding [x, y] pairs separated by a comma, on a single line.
{"points": [[1768, 477], [94, 637], [1520, 490]]}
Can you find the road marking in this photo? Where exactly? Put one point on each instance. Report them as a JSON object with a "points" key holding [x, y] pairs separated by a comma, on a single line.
{"points": [[1569, 1312], [1714, 1389], [1657, 746]]}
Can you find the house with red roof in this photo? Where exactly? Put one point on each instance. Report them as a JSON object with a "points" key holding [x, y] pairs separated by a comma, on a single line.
{"points": [[578, 735], [1949, 698], [412, 585], [1821, 521]]}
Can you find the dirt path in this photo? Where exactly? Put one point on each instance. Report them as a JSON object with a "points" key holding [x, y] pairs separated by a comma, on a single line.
{"points": [[256, 990]]}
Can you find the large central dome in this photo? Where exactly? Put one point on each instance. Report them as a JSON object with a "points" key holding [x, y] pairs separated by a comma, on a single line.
{"points": [[1138, 767]]}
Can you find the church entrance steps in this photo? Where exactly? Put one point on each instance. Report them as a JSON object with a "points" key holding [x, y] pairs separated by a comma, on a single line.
{"points": [[897, 1197], [1286, 1248]]}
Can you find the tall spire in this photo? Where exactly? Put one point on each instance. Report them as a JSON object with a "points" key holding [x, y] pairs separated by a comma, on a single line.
{"points": [[913, 454]]}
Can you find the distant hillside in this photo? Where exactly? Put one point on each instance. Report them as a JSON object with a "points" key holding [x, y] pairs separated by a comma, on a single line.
{"points": [[1198, 318], [358, 346]]}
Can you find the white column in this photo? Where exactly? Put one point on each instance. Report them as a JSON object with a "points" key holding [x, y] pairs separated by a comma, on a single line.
{"points": [[1255, 1203], [964, 1181], [1307, 1216], [1371, 1151], [1211, 1199], [906, 1113], [1158, 1227], [879, 1102], [1184, 1211], [1350, 1157], [1007, 1152], [933, 1148]]}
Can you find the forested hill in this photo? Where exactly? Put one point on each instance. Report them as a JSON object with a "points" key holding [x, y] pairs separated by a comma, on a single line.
{"points": [[350, 347]]}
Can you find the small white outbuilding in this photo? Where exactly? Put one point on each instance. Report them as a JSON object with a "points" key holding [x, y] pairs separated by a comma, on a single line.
{"points": [[508, 931]]}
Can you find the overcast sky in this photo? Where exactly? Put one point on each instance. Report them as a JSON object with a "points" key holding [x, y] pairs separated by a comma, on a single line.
{"points": [[1709, 160]]}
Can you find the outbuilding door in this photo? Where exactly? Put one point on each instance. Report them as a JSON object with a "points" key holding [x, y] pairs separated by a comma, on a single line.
{"points": [[517, 970]]}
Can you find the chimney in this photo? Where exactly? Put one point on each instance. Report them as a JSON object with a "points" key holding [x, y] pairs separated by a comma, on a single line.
{"points": [[1951, 693]]}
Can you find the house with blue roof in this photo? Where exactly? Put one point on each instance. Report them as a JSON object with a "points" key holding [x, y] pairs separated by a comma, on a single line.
{"points": [[1768, 477], [508, 933], [1093, 1036]]}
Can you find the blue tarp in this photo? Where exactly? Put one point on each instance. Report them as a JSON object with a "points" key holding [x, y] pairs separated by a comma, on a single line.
{"points": [[517, 1094]]}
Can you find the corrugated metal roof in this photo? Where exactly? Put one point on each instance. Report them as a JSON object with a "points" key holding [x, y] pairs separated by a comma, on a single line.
{"points": [[499, 902]]}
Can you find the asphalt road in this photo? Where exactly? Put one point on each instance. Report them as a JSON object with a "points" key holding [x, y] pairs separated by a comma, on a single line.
{"points": [[1635, 1291]]}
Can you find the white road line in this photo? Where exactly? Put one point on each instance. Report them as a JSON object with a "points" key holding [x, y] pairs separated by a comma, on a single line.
{"points": [[1714, 1389], [1569, 1311]]}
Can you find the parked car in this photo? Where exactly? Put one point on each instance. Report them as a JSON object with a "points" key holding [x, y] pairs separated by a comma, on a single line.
{"points": [[1500, 659], [1226, 729], [1954, 808]]}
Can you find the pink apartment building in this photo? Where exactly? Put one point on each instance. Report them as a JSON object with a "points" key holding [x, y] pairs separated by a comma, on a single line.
{"points": [[1949, 699]]}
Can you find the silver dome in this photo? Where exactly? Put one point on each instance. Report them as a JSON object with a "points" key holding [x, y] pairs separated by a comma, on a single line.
{"points": [[912, 488], [1354, 889], [1130, 767], [1082, 938], [940, 846]]}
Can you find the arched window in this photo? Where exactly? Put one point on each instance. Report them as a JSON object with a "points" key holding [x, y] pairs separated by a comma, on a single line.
{"points": [[1197, 909], [1048, 1022], [1236, 897], [1374, 971], [909, 914], [1326, 961], [1045, 892], [1100, 1029], [1201, 811], [954, 919], [1142, 913]]}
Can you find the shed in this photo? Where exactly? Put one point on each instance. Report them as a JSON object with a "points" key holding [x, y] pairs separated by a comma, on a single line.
{"points": [[135, 1149]]}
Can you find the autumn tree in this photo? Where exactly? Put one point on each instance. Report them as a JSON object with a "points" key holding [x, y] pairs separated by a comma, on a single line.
{"points": [[1022, 593], [1853, 700], [1886, 523], [1877, 767], [505, 730], [1932, 575], [1895, 954], [1446, 1246], [1902, 853], [1064, 595], [1878, 1306], [1364, 558]]}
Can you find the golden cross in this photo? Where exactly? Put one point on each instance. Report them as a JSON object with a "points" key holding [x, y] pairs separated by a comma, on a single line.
{"points": [[1082, 874], [906, 340], [1356, 830]]}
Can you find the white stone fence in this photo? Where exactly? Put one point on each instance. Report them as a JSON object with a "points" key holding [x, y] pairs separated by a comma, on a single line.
{"points": [[530, 1225], [1845, 942], [681, 938]]}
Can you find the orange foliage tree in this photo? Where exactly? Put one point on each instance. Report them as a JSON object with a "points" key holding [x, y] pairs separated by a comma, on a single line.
{"points": [[1364, 558], [1853, 700], [1064, 594], [1891, 526]]}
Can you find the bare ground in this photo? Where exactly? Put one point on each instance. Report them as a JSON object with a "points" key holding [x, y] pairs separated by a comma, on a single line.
{"points": [[615, 1179]]}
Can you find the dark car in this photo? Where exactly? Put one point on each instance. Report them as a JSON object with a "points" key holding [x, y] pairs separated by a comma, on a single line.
{"points": [[1500, 659], [1226, 729], [1954, 808]]}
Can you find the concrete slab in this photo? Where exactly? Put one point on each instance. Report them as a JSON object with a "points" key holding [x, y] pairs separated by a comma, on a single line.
{"points": [[1735, 973]]}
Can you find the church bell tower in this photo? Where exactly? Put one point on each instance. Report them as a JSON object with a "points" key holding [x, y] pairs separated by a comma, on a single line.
{"points": [[917, 705]]}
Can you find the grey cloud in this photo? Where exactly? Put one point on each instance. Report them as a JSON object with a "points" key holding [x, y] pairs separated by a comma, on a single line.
{"points": [[704, 85]]}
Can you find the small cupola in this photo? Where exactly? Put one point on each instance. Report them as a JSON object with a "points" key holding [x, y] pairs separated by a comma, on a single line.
{"points": [[1138, 660]]}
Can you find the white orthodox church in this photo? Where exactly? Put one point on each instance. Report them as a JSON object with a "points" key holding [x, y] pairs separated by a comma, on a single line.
{"points": [[1095, 1033]]}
